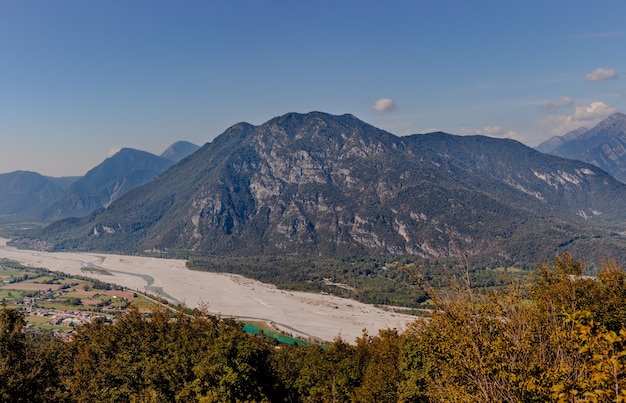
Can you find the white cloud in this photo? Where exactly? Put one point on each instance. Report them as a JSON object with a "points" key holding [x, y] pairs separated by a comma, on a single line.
{"points": [[492, 131], [596, 110], [601, 74], [114, 151], [583, 116], [385, 105], [467, 131], [497, 131], [562, 102]]}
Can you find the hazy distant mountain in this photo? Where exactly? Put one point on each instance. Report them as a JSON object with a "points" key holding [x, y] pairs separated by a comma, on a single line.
{"points": [[65, 181], [555, 142], [603, 145], [126, 170], [29, 196], [23, 194], [179, 150], [324, 185]]}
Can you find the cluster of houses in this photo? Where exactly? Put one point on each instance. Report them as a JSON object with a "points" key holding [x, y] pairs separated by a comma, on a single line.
{"points": [[66, 320], [72, 319], [41, 295]]}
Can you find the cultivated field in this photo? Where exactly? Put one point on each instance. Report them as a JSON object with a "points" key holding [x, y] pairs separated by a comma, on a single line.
{"points": [[302, 314]]}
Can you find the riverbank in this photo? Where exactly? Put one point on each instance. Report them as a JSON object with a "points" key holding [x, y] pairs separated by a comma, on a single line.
{"points": [[324, 317]]}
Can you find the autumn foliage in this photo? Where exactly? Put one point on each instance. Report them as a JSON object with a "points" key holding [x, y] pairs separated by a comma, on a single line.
{"points": [[556, 336]]}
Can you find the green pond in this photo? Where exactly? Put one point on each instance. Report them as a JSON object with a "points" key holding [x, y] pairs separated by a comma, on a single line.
{"points": [[254, 328]]}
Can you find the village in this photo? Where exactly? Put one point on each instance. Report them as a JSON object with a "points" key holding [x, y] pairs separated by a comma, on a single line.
{"points": [[65, 322], [60, 303]]}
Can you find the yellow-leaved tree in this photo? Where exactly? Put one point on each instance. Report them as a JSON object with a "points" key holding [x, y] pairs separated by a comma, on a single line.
{"points": [[557, 337]]}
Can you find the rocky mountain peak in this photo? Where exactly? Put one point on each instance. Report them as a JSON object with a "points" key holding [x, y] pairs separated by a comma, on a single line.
{"points": [[604, 145], [612, 126], [617, 116], [322, 132], [326, 185]]}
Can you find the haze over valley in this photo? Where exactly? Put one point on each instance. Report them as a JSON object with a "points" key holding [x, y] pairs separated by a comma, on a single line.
{"points": [[273, 201]]}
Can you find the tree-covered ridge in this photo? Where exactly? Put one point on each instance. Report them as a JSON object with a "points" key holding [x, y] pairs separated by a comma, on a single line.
{"points": [[319, 185], [557, 336]]}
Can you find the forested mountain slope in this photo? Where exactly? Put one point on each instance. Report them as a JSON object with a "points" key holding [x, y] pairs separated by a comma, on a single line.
{"points": [[322, 185], [125, 170]]}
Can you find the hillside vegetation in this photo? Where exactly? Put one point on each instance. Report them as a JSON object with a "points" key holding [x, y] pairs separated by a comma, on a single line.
{"points": [[319, 185], [557, 336]]}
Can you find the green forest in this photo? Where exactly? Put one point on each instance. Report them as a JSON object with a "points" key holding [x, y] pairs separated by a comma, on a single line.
{"points": [[554, 335]]}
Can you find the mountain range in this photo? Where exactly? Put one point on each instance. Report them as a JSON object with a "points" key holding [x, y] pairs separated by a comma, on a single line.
{"points": [[604, 145], [321, 185], [24, 193], [29, 196]]}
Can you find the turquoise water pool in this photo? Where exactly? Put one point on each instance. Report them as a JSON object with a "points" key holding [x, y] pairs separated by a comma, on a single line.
{"points": [[254, 328]]}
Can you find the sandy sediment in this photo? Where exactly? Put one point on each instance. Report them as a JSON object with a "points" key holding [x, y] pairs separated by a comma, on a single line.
{"points": [[320, 316]]}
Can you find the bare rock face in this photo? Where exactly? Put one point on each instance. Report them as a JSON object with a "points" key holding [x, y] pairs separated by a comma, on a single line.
{"points": [[603, 146], [322, 185]]}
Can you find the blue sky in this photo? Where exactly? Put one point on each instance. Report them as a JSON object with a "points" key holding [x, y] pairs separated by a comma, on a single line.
{"points": [[81, 78]]}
